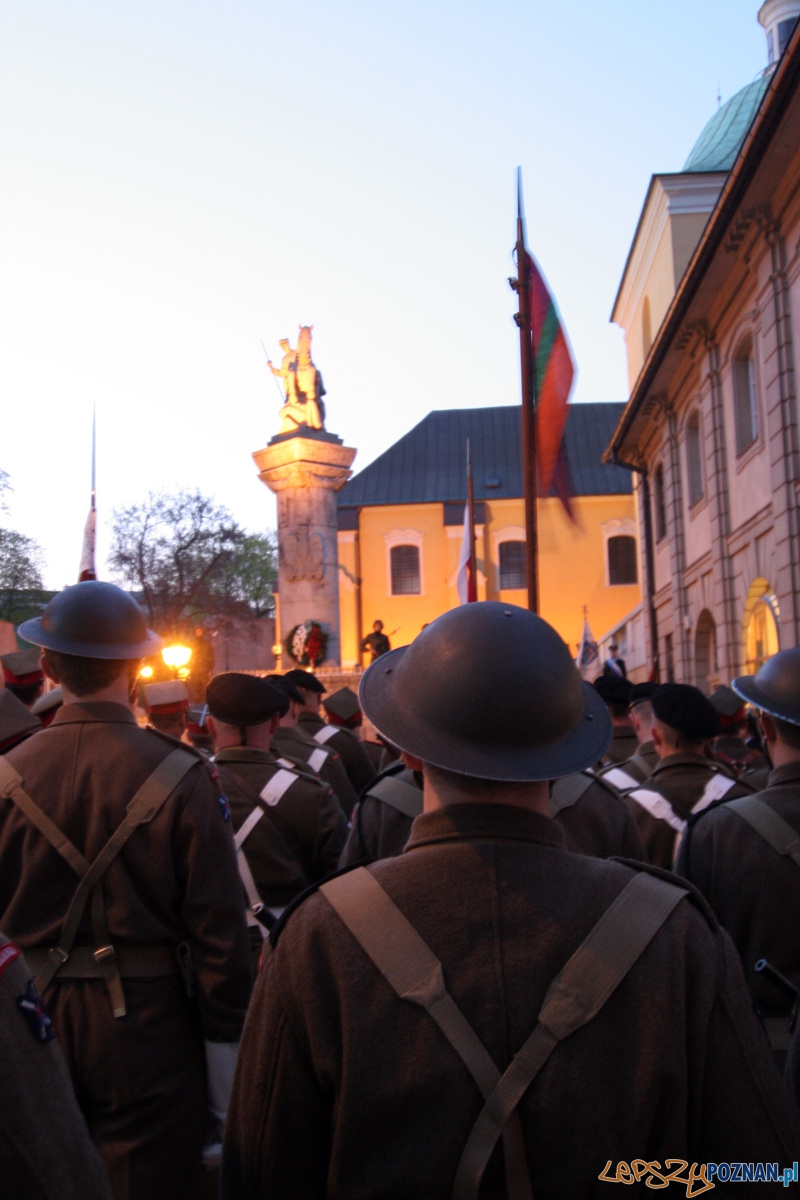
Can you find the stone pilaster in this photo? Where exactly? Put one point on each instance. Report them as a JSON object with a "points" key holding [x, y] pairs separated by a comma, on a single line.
{"points": [[305, 470]]}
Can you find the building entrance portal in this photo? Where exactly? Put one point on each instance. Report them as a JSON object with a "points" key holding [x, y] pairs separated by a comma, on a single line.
{"points": [[761, 626]]}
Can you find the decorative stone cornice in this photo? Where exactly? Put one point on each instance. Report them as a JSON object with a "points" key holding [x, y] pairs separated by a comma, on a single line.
{"points": [[301, 462]]}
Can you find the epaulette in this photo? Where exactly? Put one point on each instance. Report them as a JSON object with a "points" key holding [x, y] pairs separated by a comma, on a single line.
{"points": [[695, 895], [293, 905], [297, 770]]}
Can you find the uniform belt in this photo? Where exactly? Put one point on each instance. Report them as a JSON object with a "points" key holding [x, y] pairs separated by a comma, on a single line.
{"points": [[134, 962]]}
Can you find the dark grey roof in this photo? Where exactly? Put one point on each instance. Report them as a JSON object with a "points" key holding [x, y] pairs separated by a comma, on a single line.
{"points": [[428, 464]]}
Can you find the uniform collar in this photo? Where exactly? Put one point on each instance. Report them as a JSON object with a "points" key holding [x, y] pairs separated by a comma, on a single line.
{"points": [[485, 823], [789, 773], [647, 747], [243, 754], [311, 719], [684, 760], [94, 710]]}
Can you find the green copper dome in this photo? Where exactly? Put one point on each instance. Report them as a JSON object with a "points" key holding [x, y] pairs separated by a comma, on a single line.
{"points": [[721, 140]]}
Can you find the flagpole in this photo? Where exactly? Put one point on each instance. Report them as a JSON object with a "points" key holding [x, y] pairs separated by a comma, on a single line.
{"points": [[473, 566], [528, 379], [94, 458]]}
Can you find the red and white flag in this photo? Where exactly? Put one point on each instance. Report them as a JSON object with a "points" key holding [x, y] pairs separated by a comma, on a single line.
{"points": [[87, 568], [465, 580]]}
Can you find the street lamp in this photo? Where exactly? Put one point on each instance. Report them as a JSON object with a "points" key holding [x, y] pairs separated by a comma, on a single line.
{"points": [[177, 658]]}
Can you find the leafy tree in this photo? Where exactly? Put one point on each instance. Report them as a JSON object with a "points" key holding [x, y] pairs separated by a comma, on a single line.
{"points": [[190, 560], [21, 561]]}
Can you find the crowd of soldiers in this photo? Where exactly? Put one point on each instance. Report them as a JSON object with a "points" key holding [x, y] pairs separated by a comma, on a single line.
{"points": [[542, 928]]}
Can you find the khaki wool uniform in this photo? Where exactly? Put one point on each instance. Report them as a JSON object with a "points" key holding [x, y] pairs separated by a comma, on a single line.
{"points": [[301, 834], [633, 770], [595, 820], [344, 1089], [687, 782], [300, 749], [753, 890], [355, 759], [623, 745], [45, 1149], [140, 1078]]}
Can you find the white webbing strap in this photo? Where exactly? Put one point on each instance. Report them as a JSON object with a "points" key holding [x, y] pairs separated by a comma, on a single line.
{"points": [[255, 904], [619, 779], [658, 806], [718, 786], [316, 760], [277, 786], [324, 735]]}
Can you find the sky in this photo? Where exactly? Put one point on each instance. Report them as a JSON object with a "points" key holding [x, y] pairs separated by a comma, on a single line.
{"points": [[181, 180]]}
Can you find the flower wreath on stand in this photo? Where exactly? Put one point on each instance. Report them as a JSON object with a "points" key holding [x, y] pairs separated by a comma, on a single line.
{"points": [[307, 644]]}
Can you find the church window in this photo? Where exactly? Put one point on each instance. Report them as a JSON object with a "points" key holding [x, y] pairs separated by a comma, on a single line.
{"points": [[660, 504], [622, 560], [744, 395], [405, 570], [694, 459], [513, 565]]}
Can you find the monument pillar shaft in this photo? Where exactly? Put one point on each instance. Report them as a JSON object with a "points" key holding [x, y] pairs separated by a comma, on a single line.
{"points": [[305, 472]]}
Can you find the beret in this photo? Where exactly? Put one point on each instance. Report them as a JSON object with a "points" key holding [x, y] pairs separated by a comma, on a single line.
{"points": [[287, 687], [304, 679], [343, 704], [238, 699], [685, 709], [614, 689], [642, 691]]}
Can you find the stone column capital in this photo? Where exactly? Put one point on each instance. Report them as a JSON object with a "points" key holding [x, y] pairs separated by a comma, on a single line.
{"points": [[304, 462]]}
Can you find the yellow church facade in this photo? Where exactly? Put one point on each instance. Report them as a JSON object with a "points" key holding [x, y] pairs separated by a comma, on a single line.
{"points": [[401, 525]]}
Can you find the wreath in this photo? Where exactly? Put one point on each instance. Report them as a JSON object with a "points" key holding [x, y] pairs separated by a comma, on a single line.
{"points": [[307, 643]]}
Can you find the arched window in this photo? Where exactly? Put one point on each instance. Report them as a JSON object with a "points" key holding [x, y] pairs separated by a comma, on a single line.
{"points": [[744, 394], [694, 459], [660, 504], [705, 652], [405, 570], [513, 565], [622, 560], [647, 328]]}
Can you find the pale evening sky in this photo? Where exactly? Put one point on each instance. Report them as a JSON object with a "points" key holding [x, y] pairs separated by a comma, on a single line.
{"points": [[180, 180]]}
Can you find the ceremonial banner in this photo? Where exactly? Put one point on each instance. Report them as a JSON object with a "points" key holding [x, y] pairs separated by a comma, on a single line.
{"points": [[87, 567], [465, 579], [588, 660]]}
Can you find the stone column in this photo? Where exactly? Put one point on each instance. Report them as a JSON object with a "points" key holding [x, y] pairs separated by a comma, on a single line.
{"points": [[305, 471]]}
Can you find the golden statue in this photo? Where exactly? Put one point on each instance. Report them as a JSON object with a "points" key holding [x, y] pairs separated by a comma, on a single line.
{"points": [[302, 383]]}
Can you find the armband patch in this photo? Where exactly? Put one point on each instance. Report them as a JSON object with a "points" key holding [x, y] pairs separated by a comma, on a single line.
{"points": [[222, 801]]}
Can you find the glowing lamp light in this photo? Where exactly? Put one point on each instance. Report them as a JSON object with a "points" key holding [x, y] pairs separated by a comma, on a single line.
{"points": [[183, 672], [146, 673], [176, 657]]}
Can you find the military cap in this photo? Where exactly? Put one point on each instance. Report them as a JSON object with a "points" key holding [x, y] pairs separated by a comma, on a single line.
{"points": [[93, 620], [685, 709], [304, 679], [196, 719], [22, 667], [171, 696], [614, 689], [288, 688], [343, 705], [46, 707], [728, 706], [16, 721], [242, 700], [775, 688], [429, 698], [642, 691]]}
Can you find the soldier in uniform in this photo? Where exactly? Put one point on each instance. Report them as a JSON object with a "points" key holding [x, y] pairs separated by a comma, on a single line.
{"points": [[392, 1045], [166, 705], [301, 750], [594, 817], [45, 1149], [344, 715], [16, 721], [22, 675], [289, 827], [744, 855], [616, 692], [130, 885], [729, 746], [376, 642], [47, 706], [639, 766], [686, 780]]}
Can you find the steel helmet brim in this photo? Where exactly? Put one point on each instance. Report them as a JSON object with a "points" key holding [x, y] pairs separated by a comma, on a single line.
{"points": [[775, 688], [442, 745], [92, 619]]}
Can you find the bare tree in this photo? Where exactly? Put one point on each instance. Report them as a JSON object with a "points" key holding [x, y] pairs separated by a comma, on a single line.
{"points": [[190, 560]]}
